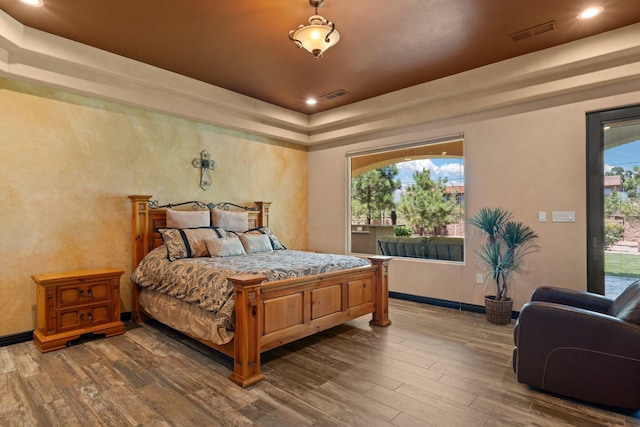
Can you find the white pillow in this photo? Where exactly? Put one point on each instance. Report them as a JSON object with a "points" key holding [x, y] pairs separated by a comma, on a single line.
{"points": [[254, 243], [187, 219], [227, 246], [236, 221]]}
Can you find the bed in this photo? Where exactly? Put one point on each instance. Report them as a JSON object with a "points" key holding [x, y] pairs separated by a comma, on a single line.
{"points": [[268, 307]]}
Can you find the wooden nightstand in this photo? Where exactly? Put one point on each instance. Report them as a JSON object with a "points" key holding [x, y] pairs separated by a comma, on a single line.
{"points": [[74, 303]]}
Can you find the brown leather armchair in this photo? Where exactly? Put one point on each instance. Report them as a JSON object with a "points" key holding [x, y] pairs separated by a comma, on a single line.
{"points": [[581, 345]]}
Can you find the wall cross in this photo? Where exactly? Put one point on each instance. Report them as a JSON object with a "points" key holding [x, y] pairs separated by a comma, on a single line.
{"points": [[205, 164]]}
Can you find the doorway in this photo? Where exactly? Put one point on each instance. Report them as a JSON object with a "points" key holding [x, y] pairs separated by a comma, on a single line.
{"points": [[613, 198]]}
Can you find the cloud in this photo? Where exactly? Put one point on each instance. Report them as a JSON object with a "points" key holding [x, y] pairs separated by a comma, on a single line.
{"points": [[416, 165], [454, 171]]}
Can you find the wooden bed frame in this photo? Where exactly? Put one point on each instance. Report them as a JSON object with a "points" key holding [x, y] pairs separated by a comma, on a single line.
{"points": [[271, 314]]}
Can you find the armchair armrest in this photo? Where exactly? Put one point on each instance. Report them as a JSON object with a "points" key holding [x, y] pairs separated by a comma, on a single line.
{"points": [[570, 297], [543, 325]]}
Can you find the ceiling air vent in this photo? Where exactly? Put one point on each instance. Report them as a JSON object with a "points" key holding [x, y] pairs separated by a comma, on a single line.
{"points": [[335, 94], [533, 31]]}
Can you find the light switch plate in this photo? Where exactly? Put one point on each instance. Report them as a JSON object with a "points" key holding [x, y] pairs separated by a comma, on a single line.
{"points": [[564, 216], [542, 216]]}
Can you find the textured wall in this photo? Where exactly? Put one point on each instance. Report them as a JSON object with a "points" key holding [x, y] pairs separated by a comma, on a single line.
{"points": [[68, 163], [527, 162]]}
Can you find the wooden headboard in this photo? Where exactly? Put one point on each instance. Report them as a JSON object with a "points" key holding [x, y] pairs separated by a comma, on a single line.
{"points": [[147, 217]]}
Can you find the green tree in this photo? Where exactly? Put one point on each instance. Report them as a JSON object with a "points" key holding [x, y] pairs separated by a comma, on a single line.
{"points": [[631, 182], [613, 233], [630, 179], [616, 170], [629, 206], [425, 205], [612, 204], [630, 211], [372, 192]]}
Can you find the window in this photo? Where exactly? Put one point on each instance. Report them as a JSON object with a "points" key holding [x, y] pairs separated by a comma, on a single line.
{"points": [[408, 201]]}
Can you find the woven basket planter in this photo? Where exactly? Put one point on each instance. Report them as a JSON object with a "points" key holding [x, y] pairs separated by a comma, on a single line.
{"points": [[498, 312]]}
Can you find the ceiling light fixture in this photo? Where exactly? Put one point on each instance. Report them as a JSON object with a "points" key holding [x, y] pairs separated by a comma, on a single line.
{"points": [[311, 101], [318, 36], [35, 3], [590, 13]]}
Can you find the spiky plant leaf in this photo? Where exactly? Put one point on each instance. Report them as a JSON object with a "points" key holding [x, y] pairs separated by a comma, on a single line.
{"points": [[490, 221]]}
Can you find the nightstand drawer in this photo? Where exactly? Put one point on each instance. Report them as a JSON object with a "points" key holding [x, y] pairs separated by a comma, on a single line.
{"points": [[75, 303], [83, 317], [82, 294]]}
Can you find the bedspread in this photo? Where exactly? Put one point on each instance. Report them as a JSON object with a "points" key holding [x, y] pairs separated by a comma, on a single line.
{"points": [[203, 281]]}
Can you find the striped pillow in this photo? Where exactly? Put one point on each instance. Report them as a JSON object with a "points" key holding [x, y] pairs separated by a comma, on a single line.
{"points": [[189, 242], [254, 243], [275, 243]]}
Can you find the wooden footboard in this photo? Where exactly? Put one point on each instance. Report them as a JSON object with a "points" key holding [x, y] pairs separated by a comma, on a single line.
{"points": [[271, 314]]}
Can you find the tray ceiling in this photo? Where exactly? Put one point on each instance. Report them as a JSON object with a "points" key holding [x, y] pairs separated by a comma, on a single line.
{"points": [[242, 45]]}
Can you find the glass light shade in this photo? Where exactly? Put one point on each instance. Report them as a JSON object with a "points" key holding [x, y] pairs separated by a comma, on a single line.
{"points": [[313, 37]]}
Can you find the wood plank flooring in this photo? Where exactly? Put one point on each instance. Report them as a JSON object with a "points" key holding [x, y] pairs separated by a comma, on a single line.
{"points": [[432, 366]]}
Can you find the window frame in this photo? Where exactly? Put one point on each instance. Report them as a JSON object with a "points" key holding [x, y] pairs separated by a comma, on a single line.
{"points": [[350, 155]]}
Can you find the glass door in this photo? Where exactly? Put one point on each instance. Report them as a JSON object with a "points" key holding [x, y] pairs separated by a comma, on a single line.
{"points": [[613, 148]]}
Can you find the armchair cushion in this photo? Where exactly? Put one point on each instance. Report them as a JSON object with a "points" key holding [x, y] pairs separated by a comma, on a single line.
{"points": [[627, 305]]}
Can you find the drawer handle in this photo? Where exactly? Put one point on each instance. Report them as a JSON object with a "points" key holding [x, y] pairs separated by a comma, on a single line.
{"points": [[89, 316], [88, 293]]}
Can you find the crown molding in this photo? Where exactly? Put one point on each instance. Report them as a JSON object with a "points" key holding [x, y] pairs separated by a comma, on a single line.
{"points": [[585, 67], [608, 60], [31, 55]]}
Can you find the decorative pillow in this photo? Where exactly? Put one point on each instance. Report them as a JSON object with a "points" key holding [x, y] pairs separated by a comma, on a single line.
{"points": [[236, 221], [254, 243], [187, 219], [227, 246], [275, 243], [627, 305], [189, 242]]}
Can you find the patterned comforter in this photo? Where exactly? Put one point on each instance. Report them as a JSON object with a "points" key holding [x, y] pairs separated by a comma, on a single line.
{"points": [[203, 281]]}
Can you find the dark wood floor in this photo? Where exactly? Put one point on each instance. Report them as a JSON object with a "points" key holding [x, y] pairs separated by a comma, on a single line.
{"points": [[432, 366]]}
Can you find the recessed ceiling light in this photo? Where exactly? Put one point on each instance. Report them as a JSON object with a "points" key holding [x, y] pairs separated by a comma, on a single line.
{"points": [[590, 13], [311, 101], [35, 3]]}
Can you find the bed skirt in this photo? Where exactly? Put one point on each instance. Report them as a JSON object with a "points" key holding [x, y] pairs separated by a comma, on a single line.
{"points": [[184, 317]]}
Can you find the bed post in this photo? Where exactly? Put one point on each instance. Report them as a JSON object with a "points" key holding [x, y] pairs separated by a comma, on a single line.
{"points": [[263, 217], [139, 227], [246, 359], [139, 245], [381, 297]]}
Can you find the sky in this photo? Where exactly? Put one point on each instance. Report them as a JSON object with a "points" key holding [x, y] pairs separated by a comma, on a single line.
{"points": [[440, 168], [626, 156]]}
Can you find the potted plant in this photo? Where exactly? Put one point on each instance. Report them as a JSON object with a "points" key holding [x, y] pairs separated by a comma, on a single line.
{"points": [[506, 243]]}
